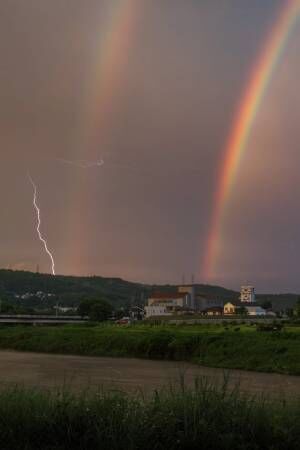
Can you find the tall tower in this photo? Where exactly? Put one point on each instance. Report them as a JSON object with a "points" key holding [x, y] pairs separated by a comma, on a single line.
{"points": [[247, 294], [191, 291]]}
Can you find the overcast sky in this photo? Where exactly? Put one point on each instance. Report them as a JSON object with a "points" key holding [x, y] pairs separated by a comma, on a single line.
{"points": [[168, 103]]}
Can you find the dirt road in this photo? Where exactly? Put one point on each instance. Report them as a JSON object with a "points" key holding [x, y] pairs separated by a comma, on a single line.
{"points": [[78, 372]]}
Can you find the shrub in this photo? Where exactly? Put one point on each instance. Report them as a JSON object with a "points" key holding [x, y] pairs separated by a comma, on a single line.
{"points": [[269, 327]]}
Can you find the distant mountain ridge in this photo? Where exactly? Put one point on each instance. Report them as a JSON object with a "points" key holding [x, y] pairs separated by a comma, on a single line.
{"points": [[70, 290]]}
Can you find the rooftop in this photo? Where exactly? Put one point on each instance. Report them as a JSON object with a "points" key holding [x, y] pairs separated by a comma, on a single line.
{"points": [[168, 295]]}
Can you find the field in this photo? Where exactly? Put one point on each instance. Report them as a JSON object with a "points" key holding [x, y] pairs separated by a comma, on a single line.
{"points": [[205, 417], [232, 347]]}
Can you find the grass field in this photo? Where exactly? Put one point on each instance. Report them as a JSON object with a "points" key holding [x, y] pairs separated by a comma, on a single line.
{"points": [[233, 347], [205, 417]]}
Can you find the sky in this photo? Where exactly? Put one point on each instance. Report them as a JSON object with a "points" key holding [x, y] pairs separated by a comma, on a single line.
{"points": [[152, 89]]}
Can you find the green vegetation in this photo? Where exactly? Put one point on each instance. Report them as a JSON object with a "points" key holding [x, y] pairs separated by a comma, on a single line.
{"points": [[9, 308], [297, 310], [228, 346], [269, 327], [97, 310], [206, 417]]}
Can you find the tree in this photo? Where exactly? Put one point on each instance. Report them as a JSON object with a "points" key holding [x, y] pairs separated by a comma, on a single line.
{"points": [[84, 307], [100, 311], [242, 310], [7, 308], [267, 304], [297, 309], [96, 309]]}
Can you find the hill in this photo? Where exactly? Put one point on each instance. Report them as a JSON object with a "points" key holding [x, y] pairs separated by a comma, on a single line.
{"points": [[36, 290]]}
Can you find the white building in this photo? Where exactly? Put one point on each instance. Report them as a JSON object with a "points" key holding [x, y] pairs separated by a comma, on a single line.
{"points": [[247, 294], [157, 310], [255, 311], [182, 299], [165, 304], [185, 300], [65, 309]]}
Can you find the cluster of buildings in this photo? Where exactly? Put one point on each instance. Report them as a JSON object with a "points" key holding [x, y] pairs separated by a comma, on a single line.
{"points": [[39, 294], [187, 301]]}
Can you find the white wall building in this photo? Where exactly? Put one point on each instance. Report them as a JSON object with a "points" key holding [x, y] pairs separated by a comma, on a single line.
{"points": [[182, 299], [255, 311], [165, 304], [157, 310], [247, 294]]}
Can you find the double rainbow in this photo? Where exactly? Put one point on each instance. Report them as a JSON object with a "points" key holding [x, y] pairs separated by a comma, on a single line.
{"points": [[243, 123]]}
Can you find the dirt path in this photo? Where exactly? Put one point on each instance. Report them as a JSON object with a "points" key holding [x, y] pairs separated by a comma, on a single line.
{"points": [[78, 372]]}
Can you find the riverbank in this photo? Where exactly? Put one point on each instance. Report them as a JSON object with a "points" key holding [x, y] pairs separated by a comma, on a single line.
{"points": [[231, 347]]}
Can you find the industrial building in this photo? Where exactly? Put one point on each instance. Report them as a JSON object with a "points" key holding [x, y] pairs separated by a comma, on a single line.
{"points": [[185, 300], [164, 304]]}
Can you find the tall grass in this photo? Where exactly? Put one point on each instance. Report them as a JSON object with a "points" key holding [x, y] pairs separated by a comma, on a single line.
{"points": [[206, 417], [229, 347]]}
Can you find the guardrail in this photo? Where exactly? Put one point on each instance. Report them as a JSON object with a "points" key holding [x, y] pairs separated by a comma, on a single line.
{"points": [[226, 319], [237, 319], [40, 319]]}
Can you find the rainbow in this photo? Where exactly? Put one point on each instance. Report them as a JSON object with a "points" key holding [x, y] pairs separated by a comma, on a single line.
{"points": [[107, 74], [102, 93], [238, 137]]}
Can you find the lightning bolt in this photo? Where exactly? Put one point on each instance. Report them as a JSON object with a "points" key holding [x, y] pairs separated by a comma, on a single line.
{"points": [[82, 164], [38, 213]]}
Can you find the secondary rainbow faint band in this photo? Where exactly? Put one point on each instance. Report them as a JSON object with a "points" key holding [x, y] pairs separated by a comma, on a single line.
{"points": [[236, 145], [103, 92], [111, 60]]}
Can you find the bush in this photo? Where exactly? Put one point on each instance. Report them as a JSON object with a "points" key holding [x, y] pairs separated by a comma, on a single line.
{"points": [[269, 327]]}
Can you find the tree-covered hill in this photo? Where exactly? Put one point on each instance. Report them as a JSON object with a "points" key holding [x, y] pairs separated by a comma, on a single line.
{"points": [[70, 290]]}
